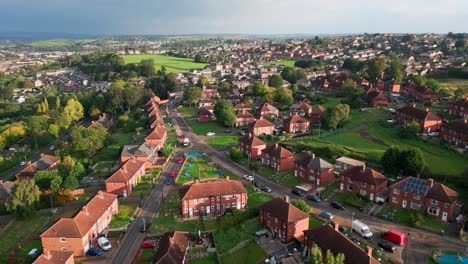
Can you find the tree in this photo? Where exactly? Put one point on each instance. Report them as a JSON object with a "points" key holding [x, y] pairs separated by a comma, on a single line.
{"points": [[58, 104], [353, 65], [347, 88], [86, 141], [376, 67], [36, 126], [336, 116], [396, 67], [275, 81], [54, 130], [460, 44], [63, 120], [199, 57], [288, 74], [258, 89], [116, 92], [132, 94], [193, 94], [412, 162], [168, 149], [73, 109], [203, 81], [224, 87], [301, 205], [284, 97], [434, 85], [70, 182], [94, 112], [390, 160], [235, 154], [317, 257], [224, 112], [48, 179], [24, 196], [410, 130], [146, 68], [6, 92]]}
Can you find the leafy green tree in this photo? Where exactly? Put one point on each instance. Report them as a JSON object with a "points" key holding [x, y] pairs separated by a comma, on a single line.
{"points": [[434, 85], [410, 130], [390, 160], [396, 69], [460, 44], [376, 67], [146, 68], [224, 112], [301, 205], [318, 258], [199, 57], [132, 95], [70, 182], [6, 92], [275, 81], [235, 154], [336, 116], [24, 196], [44, 179], [63, 120], [353, 65], [193, 94], [116, 91], [348, 87], [412, 162], [288, 74], [284, 97], [258, 89], [203, 81], [86, 141], [74, 109], [419, 80], [168, 149], [37, 125], [224, 87], [54, 130]]}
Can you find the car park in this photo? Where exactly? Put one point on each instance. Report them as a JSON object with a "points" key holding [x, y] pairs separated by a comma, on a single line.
{"points": [[313, 198], [337, 205], [104, 243], [94, 252], [326, 215], [298, 192], [149, 243], [387, 245], [265, 189]]}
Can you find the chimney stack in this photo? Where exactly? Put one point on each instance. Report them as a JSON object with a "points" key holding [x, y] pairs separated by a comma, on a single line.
{"points": [[427, 109], [1, 182], [85, 209], [276, 145], [196, 180], [227, 178], [369, 251], [431, 182], [46, 253], [41, 155], [363, 167], [336, 226], [465, 120], [413, 105], [286, 198], [250, 135], [28, 163], [100, 194]]}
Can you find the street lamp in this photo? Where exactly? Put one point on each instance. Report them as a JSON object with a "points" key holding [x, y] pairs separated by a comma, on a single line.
{"points": [[352, 220], [144, 224]]}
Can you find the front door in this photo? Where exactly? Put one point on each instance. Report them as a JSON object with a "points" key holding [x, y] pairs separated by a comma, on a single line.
{"points": [[371, 197], [318, 182], [125, 193], [341, 186], [208, 209], [444, 217], [191, 212], [238, 205], [403, 204]]}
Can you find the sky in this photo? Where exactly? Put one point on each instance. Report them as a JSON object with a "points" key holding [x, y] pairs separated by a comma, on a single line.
{"points": [[174, 17]]}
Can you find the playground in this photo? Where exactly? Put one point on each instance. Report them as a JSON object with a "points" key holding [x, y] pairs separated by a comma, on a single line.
{"points": [[195, 166]]}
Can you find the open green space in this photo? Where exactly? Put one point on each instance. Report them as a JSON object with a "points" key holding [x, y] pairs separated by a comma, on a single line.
{"points": [[200, 169], [354, 140], [59, 43], [289, 63], [205, 127], [232, 235], [285, 178], [123, 217], [250, 253], [403, 215], [256, 199], [187, 111], [314, 222], [28, 246], [351, 200], [453, 84], [219, 142], [211, 259], [172, 64]]}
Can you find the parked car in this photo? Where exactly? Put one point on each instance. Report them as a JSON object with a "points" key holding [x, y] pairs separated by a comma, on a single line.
{"points": [[387, 245], [394, 236], [361, 228], [180, 160], [227, 131], [343, 229], [433, 134], [356, 241], [265, 189], [242, 133], [248, 177], [258, 184], [210, 134], [173, 174], [169, 181], [104, 243], [94, 252], [149, 243], [23, 163], [337, 205], [326, 215], [313, 198], [298, 192], [52, 147], [144, 226]]}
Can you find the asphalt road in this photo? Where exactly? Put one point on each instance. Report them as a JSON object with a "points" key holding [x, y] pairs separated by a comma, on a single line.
{"points": [[420, 242]]}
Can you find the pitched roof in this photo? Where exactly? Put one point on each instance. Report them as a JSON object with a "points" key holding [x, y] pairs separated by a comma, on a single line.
{"points": [[283, 210], [242, 106], [43, 163], [79, 225], [419, 114], [461, 103], [319, 109], [251, 140], [314, 162], [350, 161], [363, 174], [261, 123], [277, 151], [156, 121], [126, 171], [301, 105], [172, 248], [442, 193], [244, 114], [460, 126], [204, 111], [157, 133], [327, 238], [266, 107], [412, 185], [5, 190], [207, 189], [296, 119], [54, 257]]}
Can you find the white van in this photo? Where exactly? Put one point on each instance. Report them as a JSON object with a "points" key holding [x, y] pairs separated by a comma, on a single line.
{"points": [[362, 229]]}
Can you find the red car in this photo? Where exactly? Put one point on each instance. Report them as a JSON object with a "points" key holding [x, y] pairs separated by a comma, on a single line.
{"points": [[173, 174], [149, 243], [180, 160]]}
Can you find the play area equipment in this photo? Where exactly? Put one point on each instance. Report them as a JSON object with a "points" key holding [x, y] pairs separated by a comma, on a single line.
{"points": [[192, 154], [190, 165], [186, 175]]}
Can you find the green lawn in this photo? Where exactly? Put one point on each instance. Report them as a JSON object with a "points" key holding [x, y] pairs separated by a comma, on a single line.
{"points": [[314, 222], [329, 189], [350, 200], [257, 199], [233, 235], [124, 215], [250, 253], [285, 178], [201, 170], [28, 246], [218, 142], [400, 215], [211, 259], [354, 140], [172, 64], [203, 128], [289, 63]]}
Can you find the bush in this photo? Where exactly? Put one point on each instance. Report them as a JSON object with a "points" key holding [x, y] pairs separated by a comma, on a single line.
{"points": [[235, 154]]}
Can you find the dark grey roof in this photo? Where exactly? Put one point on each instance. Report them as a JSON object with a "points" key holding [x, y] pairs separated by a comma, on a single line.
{"points": [[143, 150]]}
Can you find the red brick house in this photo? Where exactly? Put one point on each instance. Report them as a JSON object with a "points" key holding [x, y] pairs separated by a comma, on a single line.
{"points": [[156, 121], [455, 132], [315, 115], [268, 110], [427, 121], [251, 145], [244, 118], [144, 152], [376, 98], [172, 248], [212, 198], [104, 120], [78, 233], [438, 200], [45, 162], [261, 127], [362, 180], [459, 108], [283, 219], [422, 94], [296, 125], [278, 158], [328, 237], [122, 181], [393, 86], [157, 137], [55, 257], [315, 170], [204, 115], [243, 107], [300, 108]]}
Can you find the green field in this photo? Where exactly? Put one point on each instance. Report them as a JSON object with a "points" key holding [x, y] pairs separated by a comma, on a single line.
{"points": [[59, 43], [202, 128], [172, 64], [218, 142], [201, 170], [289, 63], [250, 253]]}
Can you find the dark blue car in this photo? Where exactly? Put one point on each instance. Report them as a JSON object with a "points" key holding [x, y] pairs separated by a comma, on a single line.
{"points": [[169, 181], [94, 252]]}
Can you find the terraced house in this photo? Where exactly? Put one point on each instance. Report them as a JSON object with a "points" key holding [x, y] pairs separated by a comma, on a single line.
{"points": [[455, 133], [300, 108], [362, 180], [243, 118], [268, 110], [78, 233], [124, 180], [459, 108], [261, 127], [251, 145], [427, 121], [278, 158], [296, 125], [212, 198], [314, 169]]}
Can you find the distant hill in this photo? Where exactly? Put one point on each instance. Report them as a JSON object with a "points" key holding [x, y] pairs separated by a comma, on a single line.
{"points": [[12, 35]]}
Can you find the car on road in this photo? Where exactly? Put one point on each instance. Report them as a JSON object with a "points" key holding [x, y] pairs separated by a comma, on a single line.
{"points": [[248, 177], [433, 134], [258, 184], [180, 160], [173, 174], [387, 245], [265, 189], [313, 198], [242, 133], [227, 131], [343, 229], [298, 192], [169, 181], [326, 215], [210, 134], [94, 252], [337, 205], [356, 241], [52, 147], [104, 243], [144, 227], [23, 163], [149, 243]]}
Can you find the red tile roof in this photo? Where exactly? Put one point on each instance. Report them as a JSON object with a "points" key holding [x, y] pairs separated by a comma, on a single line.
{"points": [[244, 114], [442, 193], [172, 248], [363, 174], [126, 171], [296, 119], [157, 134], [277, 151], [251, 140], [262, 123], [54, 257], [283, 210], [419, 114], [207, 189]]}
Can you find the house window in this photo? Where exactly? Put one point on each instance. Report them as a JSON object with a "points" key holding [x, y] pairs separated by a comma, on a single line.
{"points": [[234, 196], [396, 191], [349, 180], [276, 220], [212, 199], [416, 197], [195, 209], [394, 200], [186, 210], [203, 200], [195, 201], [243, 194], [243, 204], [433, 210], [350, 187], [415, 205], [363, 184], [228, 197], [434, 202], [446, 205], [233, 204], [64, 249], [63, 239], [185, 202]]}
